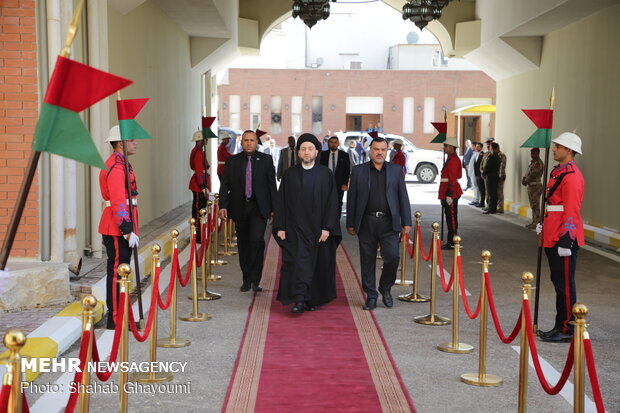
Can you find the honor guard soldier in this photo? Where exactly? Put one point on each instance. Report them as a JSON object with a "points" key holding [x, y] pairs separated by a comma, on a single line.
{"points": [[199, 181], [562, 232], [222, 154], [534, 186], [120, 234], [450, 190], [399, 156]]}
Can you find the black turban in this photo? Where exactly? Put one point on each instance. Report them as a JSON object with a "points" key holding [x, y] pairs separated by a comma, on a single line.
{"points": [[308, 137]]}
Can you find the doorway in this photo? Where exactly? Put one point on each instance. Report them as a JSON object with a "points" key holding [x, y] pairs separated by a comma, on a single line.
{"points": [[361, 122], [471, 129]]}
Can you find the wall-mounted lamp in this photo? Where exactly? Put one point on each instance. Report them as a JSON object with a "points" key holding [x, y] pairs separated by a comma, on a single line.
{"points": [[286, 106], [307, 107], [245, 106], [444, 108], [224, 106], [419, 108], [266, 106], [333, 107], [394, 108]]}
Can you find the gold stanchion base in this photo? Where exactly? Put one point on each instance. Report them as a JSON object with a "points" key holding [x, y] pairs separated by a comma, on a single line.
{"points": [[232, 245], [461, 348], [432, 320], [158, 377], [407, 282], [214, 277], [176, 343], [197, 317], [489, 380], [227, 254], [414, 298], [207, 296], [218, 262]]}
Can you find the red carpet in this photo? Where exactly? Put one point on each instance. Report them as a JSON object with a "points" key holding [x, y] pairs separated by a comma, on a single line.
{"points": [[334, 359]]}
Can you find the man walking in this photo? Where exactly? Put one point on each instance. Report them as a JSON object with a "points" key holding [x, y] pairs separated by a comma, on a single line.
{"points": [[247, 195], [562, 233], [338, 162], [288, 158], [377, 211], [532, 181], [450, 190], [306, 225]]}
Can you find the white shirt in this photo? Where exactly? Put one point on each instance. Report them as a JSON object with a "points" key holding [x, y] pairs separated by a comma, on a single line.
{"points": [[333, 160]]}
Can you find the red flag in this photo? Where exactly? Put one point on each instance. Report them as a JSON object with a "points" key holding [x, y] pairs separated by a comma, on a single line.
{"points": [[373, 135], [129, 108], [207, 121], [442, 127], [542, 118], [260, 133], [76, 86]]}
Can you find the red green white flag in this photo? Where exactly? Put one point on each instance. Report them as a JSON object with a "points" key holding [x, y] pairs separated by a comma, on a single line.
{"points": [[543, 119], [207, 133], [73, 87], [127, 110], [442, 128]]}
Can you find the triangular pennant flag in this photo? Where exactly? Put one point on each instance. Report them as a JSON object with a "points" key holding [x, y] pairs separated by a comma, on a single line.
{"points": [[543, 119], [260, 133], [73, 87], [442, 128], [207, 121], [127, 110], [207, 133], [373, 135]]}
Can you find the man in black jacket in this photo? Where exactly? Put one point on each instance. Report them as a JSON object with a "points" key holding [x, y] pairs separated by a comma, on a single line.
{"points": [[247, 195], [491, 174], [339, 163]]}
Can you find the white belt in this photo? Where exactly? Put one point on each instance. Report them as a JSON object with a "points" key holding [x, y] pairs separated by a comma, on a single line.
{"points": [[555, 208], [444, 180], [221, 163], [134, 202]]}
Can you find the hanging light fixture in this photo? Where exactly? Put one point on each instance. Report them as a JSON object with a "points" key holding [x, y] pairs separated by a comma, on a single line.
{"points": [[311, 11], [421, 12]]}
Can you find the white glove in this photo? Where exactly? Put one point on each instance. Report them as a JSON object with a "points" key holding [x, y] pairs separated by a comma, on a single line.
{"points": [[539, 228], [564, 252], [133, 240], [449, 200], [4, 280]]}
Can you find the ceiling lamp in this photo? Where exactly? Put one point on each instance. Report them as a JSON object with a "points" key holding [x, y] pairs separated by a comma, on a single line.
{"points": [[311, 11], [421, 12]]}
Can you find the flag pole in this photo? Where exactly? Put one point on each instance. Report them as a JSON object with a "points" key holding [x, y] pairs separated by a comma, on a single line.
{"points": [[133, 227], [542, 220], [445, 119], [33, 162]]}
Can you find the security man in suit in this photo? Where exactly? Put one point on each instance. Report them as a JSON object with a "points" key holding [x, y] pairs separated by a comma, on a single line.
{"points": [[288, 158], [248, 195], [339, 163], [377, 211], [199, 181], [120, 234]]}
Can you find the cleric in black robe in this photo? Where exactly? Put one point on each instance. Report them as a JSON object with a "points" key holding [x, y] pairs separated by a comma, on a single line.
{"points": [[306, 225]]}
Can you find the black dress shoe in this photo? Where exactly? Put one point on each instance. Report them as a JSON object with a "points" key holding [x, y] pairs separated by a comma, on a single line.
{"points": [[447, 246], [310, 307], [388, 301], [298, 308], [245, 287], [256, 287], [488, 211], [370, 304], [558, 337], [548, 333]]}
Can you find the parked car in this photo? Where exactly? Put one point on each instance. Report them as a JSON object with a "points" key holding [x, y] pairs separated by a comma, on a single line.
{"points": [[423, 163]]}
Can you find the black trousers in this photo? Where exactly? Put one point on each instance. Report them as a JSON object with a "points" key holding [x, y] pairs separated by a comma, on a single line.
{"points": [[199, 202], [251, 242], [562, 282], [481, 189], [375, 231], [451, 213], [493, 180], [118, 251], [340, 196]]}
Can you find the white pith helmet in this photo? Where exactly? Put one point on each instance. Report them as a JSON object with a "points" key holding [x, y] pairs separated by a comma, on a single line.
{"points": [[570, 141]]}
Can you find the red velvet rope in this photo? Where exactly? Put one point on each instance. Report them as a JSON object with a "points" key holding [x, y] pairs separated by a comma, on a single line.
{"points": [[498, 327], [430, 251], [25, 407], [410, 247], [446, 287], [532, 342], [77, 378], [105, 376], [464, 295], [188, 274], [5, 392], [596, 388], [151, 316], [171, 286]]}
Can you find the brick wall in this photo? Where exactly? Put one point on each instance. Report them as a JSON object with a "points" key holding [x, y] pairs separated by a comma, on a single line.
{"points": [[18, 116]]}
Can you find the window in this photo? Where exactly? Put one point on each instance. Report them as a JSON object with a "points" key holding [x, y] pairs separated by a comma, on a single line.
{"points": [[317, 114], [235, 105], [296, 103], [276, 115], [408, 108], [254, 111], [429, 115]]}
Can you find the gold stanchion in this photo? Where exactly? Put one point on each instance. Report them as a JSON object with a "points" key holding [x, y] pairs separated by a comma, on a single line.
{"points": [[195, 315], [481, 378], [433, 319], [403, 261], [210, 251], [205, 267], [527, 278], [216, 236], [173, 341], [580, 311], [124, 270], [455, 346], [152, 376], [89, 302], [414, 297], [232, 237], [14, 340], [226, 243]]}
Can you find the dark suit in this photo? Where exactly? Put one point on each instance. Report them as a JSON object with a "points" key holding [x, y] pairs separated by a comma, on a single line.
{"points": [[250, 215], [343, 170], [378, 230]]}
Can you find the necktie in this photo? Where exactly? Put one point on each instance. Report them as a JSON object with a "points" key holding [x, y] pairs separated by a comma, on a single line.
{"points": [[333, 162], [292, 157], [248, 178]]}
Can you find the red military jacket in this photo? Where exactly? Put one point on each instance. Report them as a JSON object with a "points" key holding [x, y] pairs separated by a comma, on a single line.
{"points": [[450, 175], [563, 224], [399, 159], [197, 164], [222, 155], [115, 219]]}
